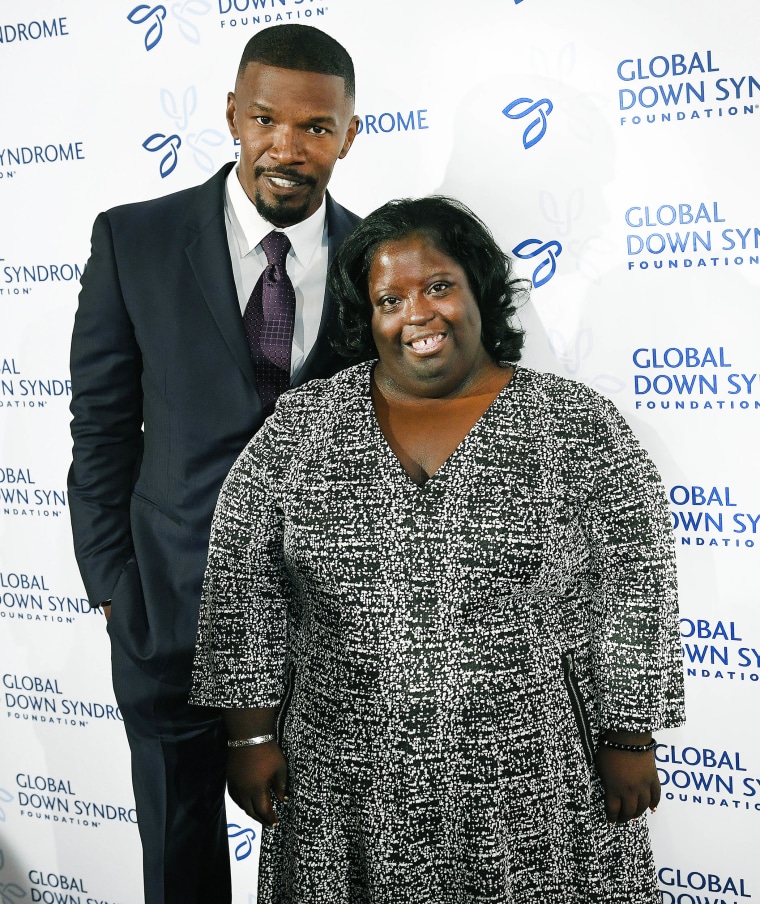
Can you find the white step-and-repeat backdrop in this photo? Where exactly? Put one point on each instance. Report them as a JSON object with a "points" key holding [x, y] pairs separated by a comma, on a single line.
{"points": [[612, 148]]}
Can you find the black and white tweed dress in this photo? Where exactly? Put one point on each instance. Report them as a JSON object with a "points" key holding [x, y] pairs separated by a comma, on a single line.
{"points": [[445, 654]]}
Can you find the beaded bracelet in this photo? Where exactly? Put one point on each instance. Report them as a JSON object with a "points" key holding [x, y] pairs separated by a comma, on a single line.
{"points": [[632, 748], [252, 742]]}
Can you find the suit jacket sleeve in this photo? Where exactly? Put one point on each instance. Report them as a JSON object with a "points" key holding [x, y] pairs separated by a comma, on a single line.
{"points": [[106, 423]]}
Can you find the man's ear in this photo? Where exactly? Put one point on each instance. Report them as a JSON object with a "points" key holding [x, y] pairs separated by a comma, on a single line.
{"points": [[353, 128], [231, 111]]}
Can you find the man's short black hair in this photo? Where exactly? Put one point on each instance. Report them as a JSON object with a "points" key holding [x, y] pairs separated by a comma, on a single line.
{"points": [[300, 47], [456, 231]]}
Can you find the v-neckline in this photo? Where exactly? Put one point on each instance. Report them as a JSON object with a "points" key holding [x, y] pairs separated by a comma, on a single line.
{"points": [[433, 478]]}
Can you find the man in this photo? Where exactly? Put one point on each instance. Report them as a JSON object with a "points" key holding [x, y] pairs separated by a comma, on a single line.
{"points": [[192, 319]]}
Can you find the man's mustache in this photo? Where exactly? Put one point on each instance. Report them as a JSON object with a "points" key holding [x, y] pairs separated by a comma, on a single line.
{"points": [[286, 173]]}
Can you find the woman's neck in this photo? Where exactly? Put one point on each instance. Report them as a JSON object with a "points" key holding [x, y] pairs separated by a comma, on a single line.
{"points": [[488, 378]]}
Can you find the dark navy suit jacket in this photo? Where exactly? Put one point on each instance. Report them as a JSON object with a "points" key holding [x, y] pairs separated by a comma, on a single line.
{"points": [[163, 400]]}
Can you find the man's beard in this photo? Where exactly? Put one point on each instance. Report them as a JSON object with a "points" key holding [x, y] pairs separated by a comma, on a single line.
{"points": [[282, 213]]}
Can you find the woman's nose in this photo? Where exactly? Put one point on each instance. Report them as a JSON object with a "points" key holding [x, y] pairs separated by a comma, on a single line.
{"points": [[419, 310]]}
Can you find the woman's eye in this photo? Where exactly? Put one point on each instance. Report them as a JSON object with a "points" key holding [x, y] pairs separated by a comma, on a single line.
{"points": [[388, 301], [440, 287]]}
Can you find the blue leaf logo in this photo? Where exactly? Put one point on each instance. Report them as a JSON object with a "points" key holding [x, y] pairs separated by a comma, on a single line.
{"points": [[571, 354], [189, 30], [536, 128], [10, 893], [141, 14], [181, 109], [157, 142], [6, 797], [244, 847], [548, 267], [211, 138], [171, 108], [607, 384], [554, 214]]}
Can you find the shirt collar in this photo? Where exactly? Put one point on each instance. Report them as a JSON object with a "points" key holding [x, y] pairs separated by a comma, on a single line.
{"points": [[250, 227]]}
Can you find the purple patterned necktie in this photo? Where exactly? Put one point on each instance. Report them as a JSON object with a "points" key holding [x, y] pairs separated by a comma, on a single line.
{"points": [[269, 319]]}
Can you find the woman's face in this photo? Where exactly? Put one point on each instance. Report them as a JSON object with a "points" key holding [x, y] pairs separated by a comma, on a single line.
{"points": [[425, 319]]}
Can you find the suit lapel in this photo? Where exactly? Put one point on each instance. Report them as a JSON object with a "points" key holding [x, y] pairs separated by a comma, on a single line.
{"points": [[209, 256]]}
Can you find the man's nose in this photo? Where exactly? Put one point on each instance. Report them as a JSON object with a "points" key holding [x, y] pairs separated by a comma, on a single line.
{"points": [[286, 145]]}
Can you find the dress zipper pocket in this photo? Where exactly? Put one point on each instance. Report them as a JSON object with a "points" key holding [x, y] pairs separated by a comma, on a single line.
{"points": [[578, 706], [285, 705]]}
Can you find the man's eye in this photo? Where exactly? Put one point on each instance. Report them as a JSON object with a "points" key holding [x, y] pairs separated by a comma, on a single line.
{"points": [[264, 120], [318, 130]]}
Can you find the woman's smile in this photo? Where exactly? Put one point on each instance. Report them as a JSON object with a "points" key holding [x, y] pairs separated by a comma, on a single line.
{"points": [[428, 344]]}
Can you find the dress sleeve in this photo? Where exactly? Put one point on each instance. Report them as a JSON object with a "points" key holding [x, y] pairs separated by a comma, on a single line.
{"points": [[242, 632], [636, 654]]}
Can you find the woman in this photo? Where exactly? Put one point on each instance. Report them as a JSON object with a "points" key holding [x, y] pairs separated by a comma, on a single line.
{"points": [[450, 580]]}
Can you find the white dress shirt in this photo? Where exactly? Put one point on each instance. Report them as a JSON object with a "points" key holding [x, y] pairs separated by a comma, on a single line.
{"points": [[306, 262]]}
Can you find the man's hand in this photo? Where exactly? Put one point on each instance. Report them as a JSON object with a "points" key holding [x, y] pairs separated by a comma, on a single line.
{"points": [[254, 774], [630, 783]]}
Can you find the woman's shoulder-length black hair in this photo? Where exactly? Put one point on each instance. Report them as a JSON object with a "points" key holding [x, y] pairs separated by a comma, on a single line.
{"points": [[456, 231]]}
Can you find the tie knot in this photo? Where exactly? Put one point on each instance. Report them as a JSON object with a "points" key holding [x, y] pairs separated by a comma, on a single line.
{"points": [[276, 246]]}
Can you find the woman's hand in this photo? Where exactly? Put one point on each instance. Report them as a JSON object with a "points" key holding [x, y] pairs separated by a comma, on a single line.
{"points": [[254, 774], [630, 782]]}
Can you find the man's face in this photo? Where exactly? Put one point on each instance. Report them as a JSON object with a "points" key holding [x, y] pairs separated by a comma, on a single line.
{"points": [[292, 127]]}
